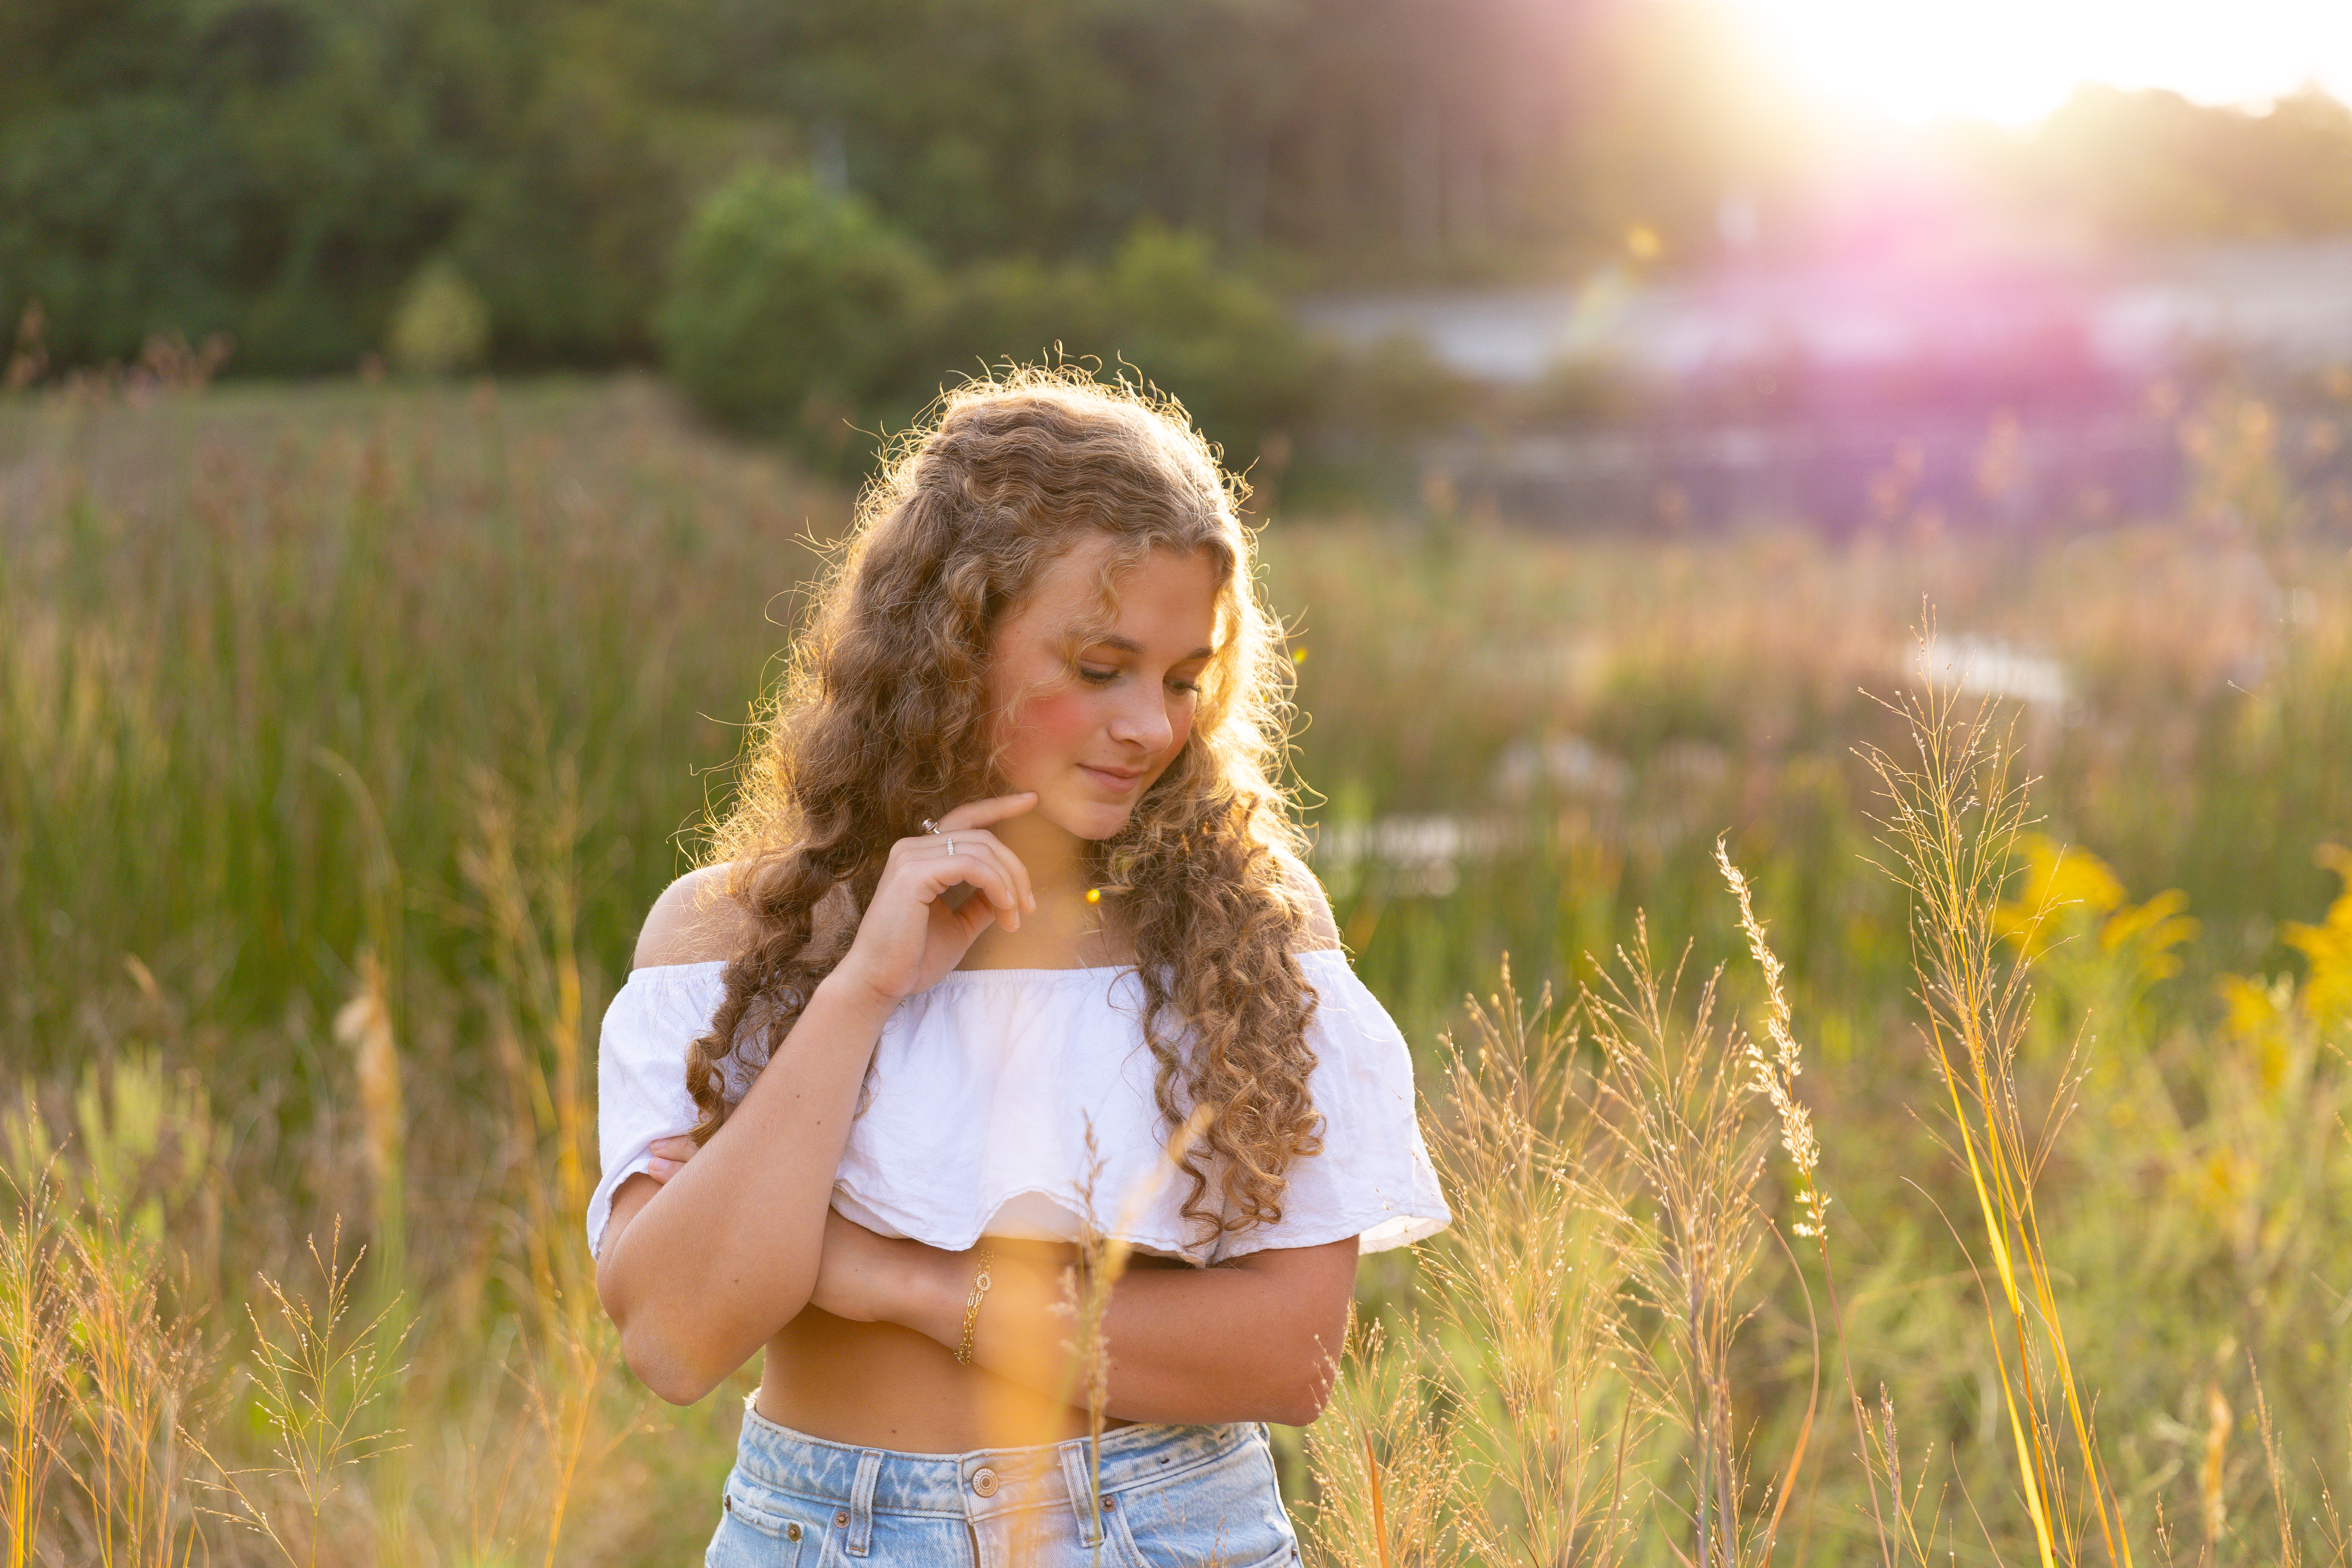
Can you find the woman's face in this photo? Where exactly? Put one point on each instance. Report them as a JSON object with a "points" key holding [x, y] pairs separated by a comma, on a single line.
{"points": [[1090, 711]]}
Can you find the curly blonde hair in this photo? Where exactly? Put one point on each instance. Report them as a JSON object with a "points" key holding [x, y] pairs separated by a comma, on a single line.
{"points": [[884, 719]]}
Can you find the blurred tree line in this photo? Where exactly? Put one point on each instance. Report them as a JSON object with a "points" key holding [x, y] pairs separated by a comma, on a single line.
{"points": [[567, 182], [2152, 166], [286, 170]]}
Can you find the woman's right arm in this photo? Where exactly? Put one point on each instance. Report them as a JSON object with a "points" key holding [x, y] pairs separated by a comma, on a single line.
{"points": [[699, 1271]]}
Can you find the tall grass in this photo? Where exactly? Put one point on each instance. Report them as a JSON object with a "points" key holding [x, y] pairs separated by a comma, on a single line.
{"points": [[344, 738], [284, 829], [1953, 817], [1646, 1162]]}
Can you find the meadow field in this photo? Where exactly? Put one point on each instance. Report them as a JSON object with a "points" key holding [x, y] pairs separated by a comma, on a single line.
{"points": [[346, 734]]}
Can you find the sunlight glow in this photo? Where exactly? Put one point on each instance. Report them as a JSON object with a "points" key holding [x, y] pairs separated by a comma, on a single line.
{"points": [[2013, 61]]}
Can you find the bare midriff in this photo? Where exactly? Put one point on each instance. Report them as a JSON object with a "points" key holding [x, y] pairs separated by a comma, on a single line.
{"points": [[880, 1386]]}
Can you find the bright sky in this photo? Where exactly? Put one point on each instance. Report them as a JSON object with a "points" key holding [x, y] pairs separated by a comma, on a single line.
{"points": [[2013, 61]]}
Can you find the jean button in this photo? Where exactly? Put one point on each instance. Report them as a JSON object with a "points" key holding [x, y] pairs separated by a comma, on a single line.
{"points": [[983, 1481], [792, 1532], [842, 1518]]}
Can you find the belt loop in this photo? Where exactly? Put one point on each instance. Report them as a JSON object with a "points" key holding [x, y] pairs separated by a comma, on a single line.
{"points": [[861, 1501], [1078, 1476]]}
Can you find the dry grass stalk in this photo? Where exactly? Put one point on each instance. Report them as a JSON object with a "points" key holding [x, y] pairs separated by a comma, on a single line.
{"points": [[1775, 1072], [580, 1409], [1391, 1487], [126, 1383], [1493, 1425], [1673, 1098], [2328, 1523], [531, 898], [569, 1388], [1530, 1286], [34, 1324], [2290, 1553], [1085, 1299], [1902, 1537], [1774, 1077], [1590, 1291], [2212, 1497], [1953, 816], [95, 1374], [322, 1384], [1102, 1258], [363, 1023]]}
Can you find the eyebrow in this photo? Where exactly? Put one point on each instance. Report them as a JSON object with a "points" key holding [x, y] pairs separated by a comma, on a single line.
{"points": [[1128, 645]]}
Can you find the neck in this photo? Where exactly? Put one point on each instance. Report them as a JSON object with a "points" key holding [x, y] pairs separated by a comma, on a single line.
{"points": [[1056, 859], [1064, 930]]}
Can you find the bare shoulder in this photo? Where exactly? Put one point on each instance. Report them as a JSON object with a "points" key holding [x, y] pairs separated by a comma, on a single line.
{"points": [[693, 921], [697, 921], [1320, 930]]}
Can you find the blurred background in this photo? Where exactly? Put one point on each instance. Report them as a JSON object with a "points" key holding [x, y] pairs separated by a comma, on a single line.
{"points": [[1646, 262], [421, 417]]}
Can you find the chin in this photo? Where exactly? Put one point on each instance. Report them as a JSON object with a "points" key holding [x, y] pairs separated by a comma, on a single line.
{"points": [[1090, 820]]}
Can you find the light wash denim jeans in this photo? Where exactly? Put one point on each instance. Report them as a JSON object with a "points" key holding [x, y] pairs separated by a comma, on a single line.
{"points": [[1173, 1497]]}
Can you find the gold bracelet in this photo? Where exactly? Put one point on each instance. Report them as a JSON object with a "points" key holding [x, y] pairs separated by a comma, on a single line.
{"points": [[971, 1309]]}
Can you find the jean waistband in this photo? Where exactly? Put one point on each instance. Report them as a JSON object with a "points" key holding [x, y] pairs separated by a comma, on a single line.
{"points": [[986, 1481]]}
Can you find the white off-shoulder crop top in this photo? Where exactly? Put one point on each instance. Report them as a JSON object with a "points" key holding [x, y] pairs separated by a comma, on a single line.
{"points": [[982, 1089]]}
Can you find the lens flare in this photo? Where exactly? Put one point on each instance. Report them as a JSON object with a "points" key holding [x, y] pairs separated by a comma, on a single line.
{"points": [[2013, 61]]}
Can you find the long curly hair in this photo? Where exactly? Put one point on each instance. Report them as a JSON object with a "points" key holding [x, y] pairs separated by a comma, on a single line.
{"points": [[884, 719]]}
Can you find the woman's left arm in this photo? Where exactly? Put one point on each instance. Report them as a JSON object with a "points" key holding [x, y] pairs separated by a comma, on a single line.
{"points": [[1256, 1338]]}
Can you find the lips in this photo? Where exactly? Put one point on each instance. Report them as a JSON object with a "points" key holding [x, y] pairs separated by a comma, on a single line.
{"points": [[1112, 779]]}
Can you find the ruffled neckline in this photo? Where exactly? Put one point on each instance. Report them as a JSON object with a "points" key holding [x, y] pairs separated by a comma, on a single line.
{"points": [[996, 1095]]}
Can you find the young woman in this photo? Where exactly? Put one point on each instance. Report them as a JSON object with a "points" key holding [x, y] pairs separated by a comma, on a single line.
{"points": [[1008, 898]]}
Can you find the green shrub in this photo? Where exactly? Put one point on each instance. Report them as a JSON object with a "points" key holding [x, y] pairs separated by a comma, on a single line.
{"points": [[796, 312], [441, 324], [1216, 340], [793, 310], [1161, 311]]}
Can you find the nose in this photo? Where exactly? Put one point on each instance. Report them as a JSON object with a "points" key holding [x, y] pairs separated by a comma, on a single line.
{"points": [[1143, 721]]}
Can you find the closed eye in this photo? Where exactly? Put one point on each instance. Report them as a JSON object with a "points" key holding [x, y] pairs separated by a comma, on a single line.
{"points": [[1096, 676]]}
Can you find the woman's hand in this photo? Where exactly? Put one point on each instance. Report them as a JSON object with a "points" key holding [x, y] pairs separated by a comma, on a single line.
{"points": [[669, 1156], [870, 1278], [911, 935]]}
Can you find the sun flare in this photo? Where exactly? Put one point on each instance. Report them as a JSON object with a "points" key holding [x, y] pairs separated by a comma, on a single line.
{"points": [[2013, 61]]}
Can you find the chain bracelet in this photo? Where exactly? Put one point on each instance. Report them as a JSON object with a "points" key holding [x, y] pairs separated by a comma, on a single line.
{"points": [[971, 1308]]}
